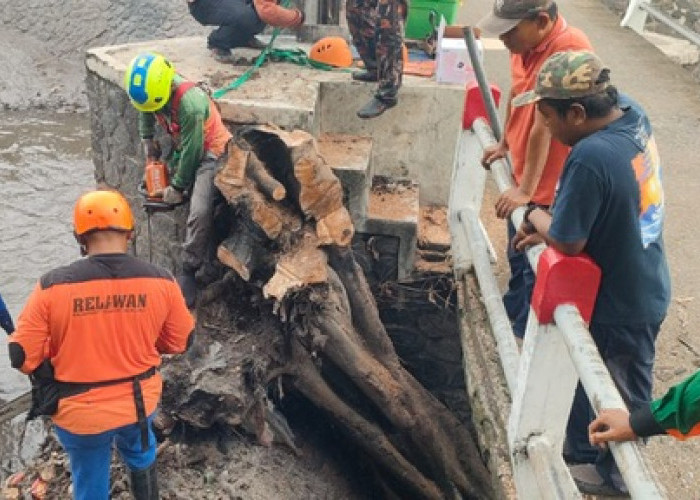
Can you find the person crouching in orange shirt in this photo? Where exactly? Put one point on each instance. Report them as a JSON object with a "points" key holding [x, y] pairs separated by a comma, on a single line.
{"points": [[90, 337]]}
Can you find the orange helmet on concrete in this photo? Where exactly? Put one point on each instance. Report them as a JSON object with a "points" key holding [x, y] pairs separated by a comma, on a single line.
{"points": [[100, 211], [333, 50]]}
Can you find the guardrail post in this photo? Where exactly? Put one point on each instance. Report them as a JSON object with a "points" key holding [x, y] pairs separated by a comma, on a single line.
{"points": [[467, 193], [636, 16], [541, 406], [547, 378]]}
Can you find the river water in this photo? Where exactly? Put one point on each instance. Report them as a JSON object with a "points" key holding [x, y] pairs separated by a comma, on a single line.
{"points": [[45, 165]]}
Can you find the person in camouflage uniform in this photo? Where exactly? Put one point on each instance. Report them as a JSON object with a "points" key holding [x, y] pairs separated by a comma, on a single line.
{"points": [[610, 205], [377, 33]]}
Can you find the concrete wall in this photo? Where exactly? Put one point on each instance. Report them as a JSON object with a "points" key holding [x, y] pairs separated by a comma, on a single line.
{"points": [[414, 140]]}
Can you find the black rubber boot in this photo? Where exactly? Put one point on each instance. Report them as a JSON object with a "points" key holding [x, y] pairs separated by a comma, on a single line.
{"points": [[376, 107], [188, 286], [144, 483], [365, 76]]}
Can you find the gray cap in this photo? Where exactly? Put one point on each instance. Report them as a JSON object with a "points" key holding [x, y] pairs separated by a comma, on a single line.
{"points": [[506, 14]]}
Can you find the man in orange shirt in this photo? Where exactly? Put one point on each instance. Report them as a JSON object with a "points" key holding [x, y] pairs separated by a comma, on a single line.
{"points": [[90, 336], [532, 30]]}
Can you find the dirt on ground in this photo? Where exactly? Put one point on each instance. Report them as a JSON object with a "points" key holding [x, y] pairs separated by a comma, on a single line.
{"points": [[211, 466]]}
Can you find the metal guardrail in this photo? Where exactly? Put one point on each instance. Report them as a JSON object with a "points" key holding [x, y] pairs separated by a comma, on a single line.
{"points": [[636, 17], [555, 356]]}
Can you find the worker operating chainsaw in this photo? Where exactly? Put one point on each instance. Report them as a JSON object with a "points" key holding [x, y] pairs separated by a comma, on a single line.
{"points": [[199, 138]]}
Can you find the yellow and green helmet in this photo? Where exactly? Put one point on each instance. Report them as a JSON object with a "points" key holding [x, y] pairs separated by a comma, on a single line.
{"points": [[148, 80]]}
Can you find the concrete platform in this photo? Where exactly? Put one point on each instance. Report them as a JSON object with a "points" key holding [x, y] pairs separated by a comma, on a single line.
{"points": [[415, 140], [393, 210], [349, 157]]}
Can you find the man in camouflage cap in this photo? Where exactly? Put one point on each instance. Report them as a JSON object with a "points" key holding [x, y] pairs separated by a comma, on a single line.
{"points": [[610, 205], [567, 75], [532, 30]]}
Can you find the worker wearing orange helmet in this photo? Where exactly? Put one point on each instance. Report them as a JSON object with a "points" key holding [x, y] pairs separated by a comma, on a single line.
{"points": [[90, 337], [186, 113]]}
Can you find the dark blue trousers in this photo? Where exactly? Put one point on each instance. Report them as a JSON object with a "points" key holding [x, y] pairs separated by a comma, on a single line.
{"points": [[90, 456], [628, 353], [237, 21], [522, 280]]}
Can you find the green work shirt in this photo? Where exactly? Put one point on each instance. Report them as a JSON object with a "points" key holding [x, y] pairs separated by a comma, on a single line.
{"points": [[189, 149], [677, 412]]}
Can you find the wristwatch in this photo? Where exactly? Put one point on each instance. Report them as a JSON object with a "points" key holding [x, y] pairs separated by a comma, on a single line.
{"points": [[528, 227]]}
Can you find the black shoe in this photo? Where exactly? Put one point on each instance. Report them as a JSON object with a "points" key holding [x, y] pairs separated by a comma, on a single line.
{"points": [[365, 76], [255, 43], [590, 482], [188, 286], [376, 107], [224, 56]]}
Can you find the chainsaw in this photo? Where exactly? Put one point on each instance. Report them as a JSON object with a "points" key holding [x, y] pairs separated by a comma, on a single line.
{"points": [[154, 183]]}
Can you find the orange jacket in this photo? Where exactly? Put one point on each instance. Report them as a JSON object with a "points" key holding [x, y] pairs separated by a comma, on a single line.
{"points": [[103, 318], [273, 14]]}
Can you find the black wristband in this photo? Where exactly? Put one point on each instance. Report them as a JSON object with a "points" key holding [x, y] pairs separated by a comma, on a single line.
{"points": [[527, 226], [528, 211]]}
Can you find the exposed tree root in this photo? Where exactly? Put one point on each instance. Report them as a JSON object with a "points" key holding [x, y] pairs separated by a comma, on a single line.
{"points": [[289, 246]]}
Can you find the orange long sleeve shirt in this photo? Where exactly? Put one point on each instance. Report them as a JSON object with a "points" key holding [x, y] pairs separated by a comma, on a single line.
{"points": [[270, 12], [103, 318]]}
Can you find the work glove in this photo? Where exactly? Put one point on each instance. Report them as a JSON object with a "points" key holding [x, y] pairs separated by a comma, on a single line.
{"points": [[151, 149], [172, 196]]}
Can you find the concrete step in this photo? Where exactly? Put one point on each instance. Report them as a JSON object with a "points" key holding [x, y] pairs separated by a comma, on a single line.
{"points": [[393, 210], [349, 157]]}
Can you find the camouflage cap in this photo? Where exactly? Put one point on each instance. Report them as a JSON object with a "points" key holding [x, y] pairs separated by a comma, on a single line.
{"points": [[567, 75], [506, 14]]}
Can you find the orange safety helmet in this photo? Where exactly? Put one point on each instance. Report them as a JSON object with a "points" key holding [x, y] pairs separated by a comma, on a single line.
{"points": [[332, 50], [102, 210]]}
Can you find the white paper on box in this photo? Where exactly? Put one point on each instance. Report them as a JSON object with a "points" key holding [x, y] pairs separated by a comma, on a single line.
{"points": [[453, 64]]}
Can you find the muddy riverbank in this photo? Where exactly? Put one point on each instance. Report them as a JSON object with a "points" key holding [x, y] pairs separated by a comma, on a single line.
{"points": [[42, 44]]}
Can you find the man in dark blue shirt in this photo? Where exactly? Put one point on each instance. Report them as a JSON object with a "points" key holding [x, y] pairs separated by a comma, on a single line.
{"points": [[610, 205]]}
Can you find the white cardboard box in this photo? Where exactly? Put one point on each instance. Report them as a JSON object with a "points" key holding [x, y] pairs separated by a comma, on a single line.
{"points": [[453, 64]]}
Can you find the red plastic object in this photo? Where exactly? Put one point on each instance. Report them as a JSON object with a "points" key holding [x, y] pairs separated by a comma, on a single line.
{"points": [[474, 106], [562, 279]]}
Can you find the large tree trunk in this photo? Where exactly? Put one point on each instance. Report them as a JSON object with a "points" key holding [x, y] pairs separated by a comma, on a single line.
{"points": [[311, 321]]}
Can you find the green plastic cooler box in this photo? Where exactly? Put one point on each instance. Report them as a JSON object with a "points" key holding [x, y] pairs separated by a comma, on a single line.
{"points": [[418, 23]]}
